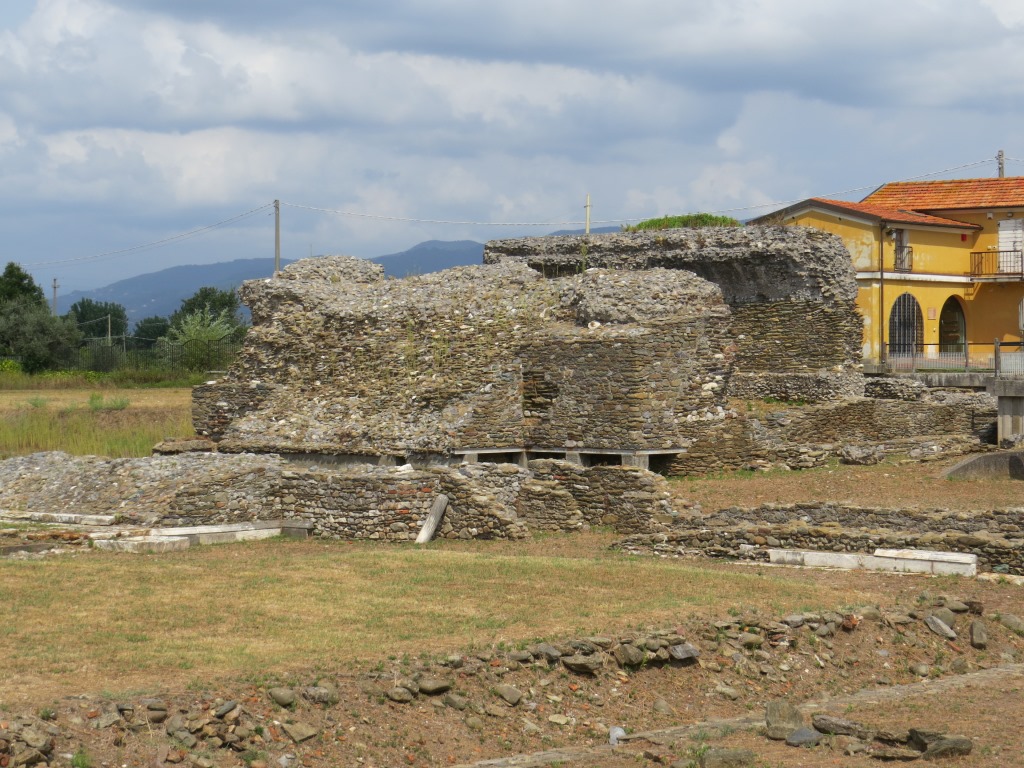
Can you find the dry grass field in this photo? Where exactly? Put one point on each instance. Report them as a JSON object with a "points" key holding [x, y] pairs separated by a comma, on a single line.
{"points": [[98, 621], [225, 622], [83, 631], [105, 422]]}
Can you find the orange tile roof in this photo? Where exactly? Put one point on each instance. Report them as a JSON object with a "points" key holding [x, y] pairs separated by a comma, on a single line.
{"points": [[891, 214], [953, 194]]}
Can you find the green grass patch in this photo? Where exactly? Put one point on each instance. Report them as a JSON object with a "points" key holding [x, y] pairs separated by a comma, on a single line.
{"points": [[109, 428], [97, 402], [687, 220], [120, 379]]}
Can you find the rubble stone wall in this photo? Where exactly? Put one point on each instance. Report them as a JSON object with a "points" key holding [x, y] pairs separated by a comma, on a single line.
{"points": [[473, 358], [809, 436], [621, 342], [795, 327], [754, 264], [561, 496], [386, 503], [996, 536], [643, 390]]}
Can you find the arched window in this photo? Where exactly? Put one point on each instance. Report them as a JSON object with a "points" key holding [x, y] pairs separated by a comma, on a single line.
{"points": [[906, 327], [952, 327]]}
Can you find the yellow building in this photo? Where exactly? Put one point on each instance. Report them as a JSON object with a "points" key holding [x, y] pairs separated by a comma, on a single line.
{"points": [[939, 264]]}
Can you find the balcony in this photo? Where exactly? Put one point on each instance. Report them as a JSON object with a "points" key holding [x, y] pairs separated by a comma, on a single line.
{"points": [[903, 259], [997, 265]]}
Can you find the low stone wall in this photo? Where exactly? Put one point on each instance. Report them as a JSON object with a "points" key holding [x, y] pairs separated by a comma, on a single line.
{"points": [[810, 436], [386, 503], [1000, 522], [889, 388], [561, 496], [995, 536]]}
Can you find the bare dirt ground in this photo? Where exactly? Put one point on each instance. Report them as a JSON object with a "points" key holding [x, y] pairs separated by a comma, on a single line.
{"points": [[566, 716]]}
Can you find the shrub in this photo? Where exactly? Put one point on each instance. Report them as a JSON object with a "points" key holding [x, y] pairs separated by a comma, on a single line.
{"points": [[686, 220]]}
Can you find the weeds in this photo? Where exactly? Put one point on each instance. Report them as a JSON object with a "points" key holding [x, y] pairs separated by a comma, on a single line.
{"points": [[81, 759], [98, 402], [106, 429]]}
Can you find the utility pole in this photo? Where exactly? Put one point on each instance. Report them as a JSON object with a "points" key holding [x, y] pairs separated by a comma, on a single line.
{"points": [[587, 206], [277, 237], [55, 297], [108, 331], [1001, 159]]}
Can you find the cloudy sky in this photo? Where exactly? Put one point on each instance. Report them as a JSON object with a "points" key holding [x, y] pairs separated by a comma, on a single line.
{"points": [[125, 122]]}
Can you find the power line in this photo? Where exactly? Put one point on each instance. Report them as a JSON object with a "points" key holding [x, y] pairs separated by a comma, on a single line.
{"points": [[382, 217], [155, 243], [443, 221]]}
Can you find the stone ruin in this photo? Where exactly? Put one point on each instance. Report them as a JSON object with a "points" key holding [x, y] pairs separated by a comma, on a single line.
{"points": [[618, 349], [537, 390]]}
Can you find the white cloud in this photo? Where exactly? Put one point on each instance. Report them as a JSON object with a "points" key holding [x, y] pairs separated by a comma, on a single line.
{"points": [[157, 117], [1009, 12]]}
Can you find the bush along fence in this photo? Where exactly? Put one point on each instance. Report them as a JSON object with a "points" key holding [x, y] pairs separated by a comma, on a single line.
{"points": [[118, 354]]}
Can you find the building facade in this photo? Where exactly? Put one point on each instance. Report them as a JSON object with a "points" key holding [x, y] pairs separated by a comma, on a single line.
{"points": [[940, 267]]}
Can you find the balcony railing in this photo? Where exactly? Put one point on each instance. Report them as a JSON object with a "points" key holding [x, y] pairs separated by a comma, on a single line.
{"points": [[904, 261], [998, 264]]}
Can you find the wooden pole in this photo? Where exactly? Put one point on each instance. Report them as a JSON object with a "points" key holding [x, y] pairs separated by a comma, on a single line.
{"points": [[277, 237]]}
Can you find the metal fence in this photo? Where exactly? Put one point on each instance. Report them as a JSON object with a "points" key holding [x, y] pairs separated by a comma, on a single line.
{"points": [[1002, 358], [163, 355]]}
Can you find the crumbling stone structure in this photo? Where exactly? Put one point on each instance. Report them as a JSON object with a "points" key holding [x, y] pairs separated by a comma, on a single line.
{"points": [[610, 349], [996, 536], [791, 295], [484, 500]]}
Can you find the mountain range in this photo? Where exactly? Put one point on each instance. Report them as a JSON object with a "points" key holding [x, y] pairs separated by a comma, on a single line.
{"points": [[161, 293]]}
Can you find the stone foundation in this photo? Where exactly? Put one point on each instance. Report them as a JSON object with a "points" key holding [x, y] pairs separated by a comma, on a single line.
{"points": [[502, 501], [995, 536]]}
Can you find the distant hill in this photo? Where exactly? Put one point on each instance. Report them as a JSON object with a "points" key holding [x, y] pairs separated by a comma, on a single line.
{"points": [[432, 256], [161, 293]]}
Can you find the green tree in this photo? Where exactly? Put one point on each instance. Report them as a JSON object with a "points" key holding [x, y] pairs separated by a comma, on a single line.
{"points": [[201, 340], [215, 301], [91, 317], [16, 283], [149, 329], [30, 334]]}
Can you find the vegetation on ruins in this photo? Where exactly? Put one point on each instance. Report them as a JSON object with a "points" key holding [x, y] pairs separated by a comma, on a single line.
{"points": [[683, 221]]}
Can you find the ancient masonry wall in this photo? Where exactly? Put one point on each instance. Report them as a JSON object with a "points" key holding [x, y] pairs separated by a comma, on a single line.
{"points": [[810, 436], [477, 358], [995, 536], [795, 326], [484, 500]]}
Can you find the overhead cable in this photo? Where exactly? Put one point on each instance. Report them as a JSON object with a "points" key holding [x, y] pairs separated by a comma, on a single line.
{"points": [[155, 243], [460, 223]]}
